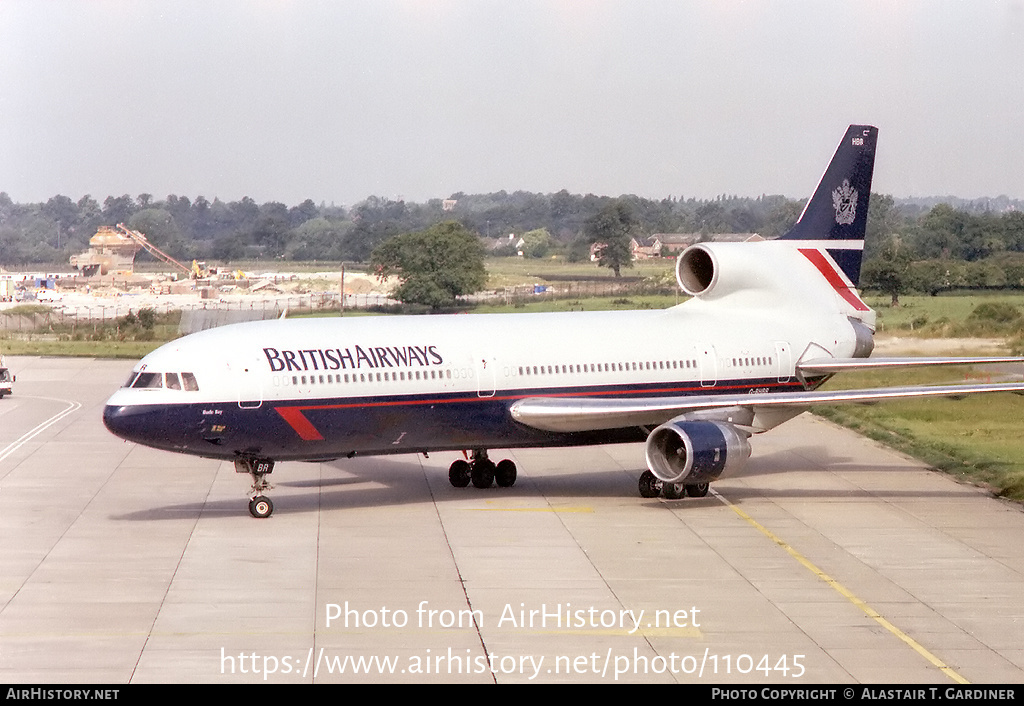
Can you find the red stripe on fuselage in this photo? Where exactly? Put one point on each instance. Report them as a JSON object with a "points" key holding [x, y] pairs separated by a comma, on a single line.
{"points": [[834, 278], [297, 421]]}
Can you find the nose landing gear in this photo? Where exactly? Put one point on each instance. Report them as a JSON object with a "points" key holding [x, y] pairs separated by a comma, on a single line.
{"points": [[260, 505]]}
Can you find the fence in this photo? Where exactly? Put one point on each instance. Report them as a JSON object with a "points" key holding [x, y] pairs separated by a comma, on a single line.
{"points": [[204, 313], [258, 308]]}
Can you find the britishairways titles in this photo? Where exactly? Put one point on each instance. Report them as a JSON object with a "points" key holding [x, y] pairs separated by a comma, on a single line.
{"points": [[351, 358]]}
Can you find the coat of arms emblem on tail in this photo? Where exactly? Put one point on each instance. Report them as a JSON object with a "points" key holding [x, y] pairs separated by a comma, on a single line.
{"points": [[845, 201]]}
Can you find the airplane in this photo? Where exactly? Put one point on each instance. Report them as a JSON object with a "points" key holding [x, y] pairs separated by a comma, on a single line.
{"points": [[767, 323]]}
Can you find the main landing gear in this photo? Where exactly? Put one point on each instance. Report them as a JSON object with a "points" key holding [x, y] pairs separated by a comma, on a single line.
{"points": [[651, 487], [482, 472], [259, 468]]}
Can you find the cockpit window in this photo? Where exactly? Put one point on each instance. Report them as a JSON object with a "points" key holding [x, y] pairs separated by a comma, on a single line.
{"points": [[148, 380], [156, 381]]}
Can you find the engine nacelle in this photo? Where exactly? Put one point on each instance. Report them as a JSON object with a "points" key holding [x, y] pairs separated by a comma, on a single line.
{"points": [[683, 451], [696, 270], [766, 270]]}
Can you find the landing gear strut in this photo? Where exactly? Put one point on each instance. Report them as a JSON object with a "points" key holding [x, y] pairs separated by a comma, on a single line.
{"points": [[482, 472], [260, 505], [652, 487]]}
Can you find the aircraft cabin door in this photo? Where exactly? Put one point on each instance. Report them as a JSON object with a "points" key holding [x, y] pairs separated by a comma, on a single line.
{"points": [[486, 375], [248, 382], [708, 362], [783, 361]]}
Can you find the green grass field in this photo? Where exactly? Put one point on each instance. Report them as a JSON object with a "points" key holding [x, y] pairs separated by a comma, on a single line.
{"points": [[976, 438], [935, 316], [512, 271]]}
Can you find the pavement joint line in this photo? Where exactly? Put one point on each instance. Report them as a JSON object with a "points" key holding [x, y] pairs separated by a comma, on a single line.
{"points": [[845, 592], [72, 406], [455, 563]]}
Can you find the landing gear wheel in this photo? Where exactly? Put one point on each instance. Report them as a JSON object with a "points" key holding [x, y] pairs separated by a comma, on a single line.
{"points": [[505, 474], [650, 486], [673, 491], [482, 470], [261, 506], [698, 490], [458, 474], [258, 469]]}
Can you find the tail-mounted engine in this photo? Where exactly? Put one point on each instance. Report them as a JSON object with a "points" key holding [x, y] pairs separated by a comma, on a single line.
{"points": [[713, 270], [691, 452], [696, 269], [766, 274]]}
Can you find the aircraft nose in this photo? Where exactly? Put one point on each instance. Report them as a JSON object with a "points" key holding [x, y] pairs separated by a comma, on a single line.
{"points": [[139, 423], [116, 419]]}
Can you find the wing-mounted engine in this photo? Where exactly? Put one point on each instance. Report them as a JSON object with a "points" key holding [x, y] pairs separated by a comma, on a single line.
{"points": [[692, 452]]}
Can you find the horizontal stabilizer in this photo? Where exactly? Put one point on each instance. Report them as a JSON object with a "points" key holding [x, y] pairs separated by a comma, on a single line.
{"points": [[822, 366]]}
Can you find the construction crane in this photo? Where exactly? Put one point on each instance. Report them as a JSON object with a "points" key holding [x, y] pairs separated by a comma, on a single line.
{"points": [[196, 271]]}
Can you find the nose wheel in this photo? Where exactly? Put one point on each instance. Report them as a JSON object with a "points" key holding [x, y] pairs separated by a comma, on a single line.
{"points": [[260, 505]]}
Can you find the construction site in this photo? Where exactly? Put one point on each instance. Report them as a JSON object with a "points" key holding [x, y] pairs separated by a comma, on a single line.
{"points": [[103, 283]]}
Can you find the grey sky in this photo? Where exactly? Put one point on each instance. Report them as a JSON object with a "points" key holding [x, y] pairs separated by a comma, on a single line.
{"points": [[336, 101]]}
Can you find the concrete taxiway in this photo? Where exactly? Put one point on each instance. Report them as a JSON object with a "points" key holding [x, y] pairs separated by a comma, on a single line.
{"points": [[828, 559]]}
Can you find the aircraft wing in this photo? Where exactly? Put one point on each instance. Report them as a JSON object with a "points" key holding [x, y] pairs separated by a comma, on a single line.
{"points": [[570, 414]]}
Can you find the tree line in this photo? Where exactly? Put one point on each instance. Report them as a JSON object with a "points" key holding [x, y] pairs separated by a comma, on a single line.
{"points": [[943, 248], [52, 231], [918, 244]]}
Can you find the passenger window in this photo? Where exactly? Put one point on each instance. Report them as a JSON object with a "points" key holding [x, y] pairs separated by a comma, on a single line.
{"points": [[172, 381]]}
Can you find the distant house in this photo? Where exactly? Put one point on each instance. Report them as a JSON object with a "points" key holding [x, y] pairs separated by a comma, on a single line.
{"points": [[671, 244], [643, 248], [674, 243], [503, 246]]}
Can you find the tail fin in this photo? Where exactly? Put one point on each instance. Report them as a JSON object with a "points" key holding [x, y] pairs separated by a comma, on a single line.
{"points": [[836, 217]]}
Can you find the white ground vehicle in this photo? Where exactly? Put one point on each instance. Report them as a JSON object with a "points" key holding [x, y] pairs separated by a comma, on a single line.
{"points": [[6, 382]]}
